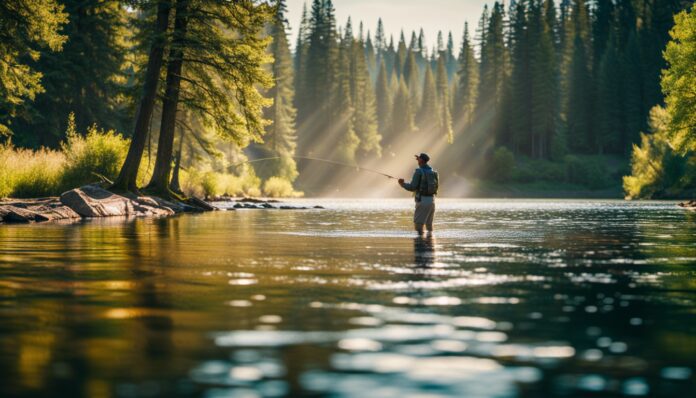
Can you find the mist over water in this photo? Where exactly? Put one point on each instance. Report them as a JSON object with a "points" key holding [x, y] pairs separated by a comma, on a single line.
{"points": [[510, 298]]}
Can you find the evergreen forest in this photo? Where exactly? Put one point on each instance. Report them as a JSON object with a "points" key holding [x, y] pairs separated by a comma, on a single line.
{"points": [[549, 95]]}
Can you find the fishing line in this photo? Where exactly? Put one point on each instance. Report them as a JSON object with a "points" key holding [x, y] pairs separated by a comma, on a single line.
{"points": [[352, 166]]}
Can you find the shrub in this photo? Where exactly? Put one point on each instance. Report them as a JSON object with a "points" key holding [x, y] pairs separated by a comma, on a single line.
{"points": [[210, 183], [277, 187], [586, 171], [502, 165], [99, 152]]}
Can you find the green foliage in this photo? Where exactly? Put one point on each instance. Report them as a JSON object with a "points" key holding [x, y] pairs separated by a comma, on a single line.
{"points": [[679, 80], [657, 170], [211, 184], [281, 138], [26, 27], [97, 153], [28, 173], [467, 84], [586, 172], [88, 77], [502, 165], [276, 187], [45, 172]]}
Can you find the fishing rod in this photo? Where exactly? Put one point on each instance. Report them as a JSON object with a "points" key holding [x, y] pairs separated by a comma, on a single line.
{"points": [[353, 166]]}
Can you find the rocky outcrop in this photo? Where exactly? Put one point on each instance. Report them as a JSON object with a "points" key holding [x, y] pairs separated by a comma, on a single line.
{"points": [[91, 201], [35, 211]]}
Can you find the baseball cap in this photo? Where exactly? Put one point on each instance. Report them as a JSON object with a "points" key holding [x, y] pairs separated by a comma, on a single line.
{"points": [[423, 156]]}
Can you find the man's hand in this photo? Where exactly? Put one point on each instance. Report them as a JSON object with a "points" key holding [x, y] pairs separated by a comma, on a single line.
{"points": [[401, 181]]}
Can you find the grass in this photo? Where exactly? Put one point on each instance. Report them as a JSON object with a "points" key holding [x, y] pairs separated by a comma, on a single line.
{"points": [[83, 159], [27, 173]]}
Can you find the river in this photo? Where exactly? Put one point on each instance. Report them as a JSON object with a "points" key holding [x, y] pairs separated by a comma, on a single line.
{"points": [[509, 298]]}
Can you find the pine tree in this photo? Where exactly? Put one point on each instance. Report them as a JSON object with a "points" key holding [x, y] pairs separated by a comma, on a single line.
{"points": [[280, 139], [467, 85], [602, 25], [427, 118], [401, 55], [578, 109], [127, 177], [363, 98], [300, 66], [390, 58], [383, 97], [444, 117], [451, 61], [346, 142], [520, 80], [371, 58], [317, 111], [544, 82], [93, 91], [380, 38], [411, 75], [402, 124], [609, 96], [492, 73], [215, 69], [28, 26]]}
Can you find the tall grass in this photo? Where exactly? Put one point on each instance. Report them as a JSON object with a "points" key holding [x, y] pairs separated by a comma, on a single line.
{"points": [[27, 173], [81, 160]]}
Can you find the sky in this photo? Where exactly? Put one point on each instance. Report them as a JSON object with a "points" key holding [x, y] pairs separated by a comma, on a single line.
{"points": [[431, 15]]}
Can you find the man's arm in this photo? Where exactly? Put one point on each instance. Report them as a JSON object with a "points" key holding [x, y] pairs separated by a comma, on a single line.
{"points": [[414, 184]]}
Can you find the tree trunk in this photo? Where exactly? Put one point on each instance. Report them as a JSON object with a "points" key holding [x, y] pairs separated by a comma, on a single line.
{"points": [[126, 180], [175, 186], [159, 184]]}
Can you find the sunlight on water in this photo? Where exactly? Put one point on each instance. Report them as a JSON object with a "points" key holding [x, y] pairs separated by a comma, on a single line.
{"points": [[509, 298]]}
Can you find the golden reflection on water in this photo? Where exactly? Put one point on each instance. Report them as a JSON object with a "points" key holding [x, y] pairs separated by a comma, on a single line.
{"points": [[141, 305]]}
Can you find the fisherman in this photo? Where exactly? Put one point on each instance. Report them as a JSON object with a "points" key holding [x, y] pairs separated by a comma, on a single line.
{"points": [[424, 184]]}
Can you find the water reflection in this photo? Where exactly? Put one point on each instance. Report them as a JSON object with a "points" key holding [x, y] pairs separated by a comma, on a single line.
{"points": [[424, 250], [514, 298]]}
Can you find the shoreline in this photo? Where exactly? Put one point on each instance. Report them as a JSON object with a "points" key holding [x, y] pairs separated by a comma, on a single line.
{"points": [[91, 201]]}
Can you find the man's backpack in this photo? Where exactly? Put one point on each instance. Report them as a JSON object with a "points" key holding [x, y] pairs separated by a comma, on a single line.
{"points": [[429, 183]]}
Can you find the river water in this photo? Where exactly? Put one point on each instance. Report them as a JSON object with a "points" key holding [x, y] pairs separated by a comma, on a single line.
{"points": [[509, 298]]}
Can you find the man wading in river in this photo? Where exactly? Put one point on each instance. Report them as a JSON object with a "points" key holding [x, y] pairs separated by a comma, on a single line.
{"points": [[425, 184]]}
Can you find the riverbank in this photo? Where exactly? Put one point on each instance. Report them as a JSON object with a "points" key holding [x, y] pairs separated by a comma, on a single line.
{"points": [[92, 201]]}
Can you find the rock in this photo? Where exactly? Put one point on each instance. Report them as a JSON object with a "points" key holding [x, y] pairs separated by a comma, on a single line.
{"points": [[267, 205], [689, 204], [195, 202], [17, 214], [318, 207], [254, 200], [92, 201], [35, 210]]}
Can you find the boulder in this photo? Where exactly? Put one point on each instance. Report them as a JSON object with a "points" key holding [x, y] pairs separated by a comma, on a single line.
{"points": [[11, 213], [92, 201], [35, 210], [689, 204]]}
